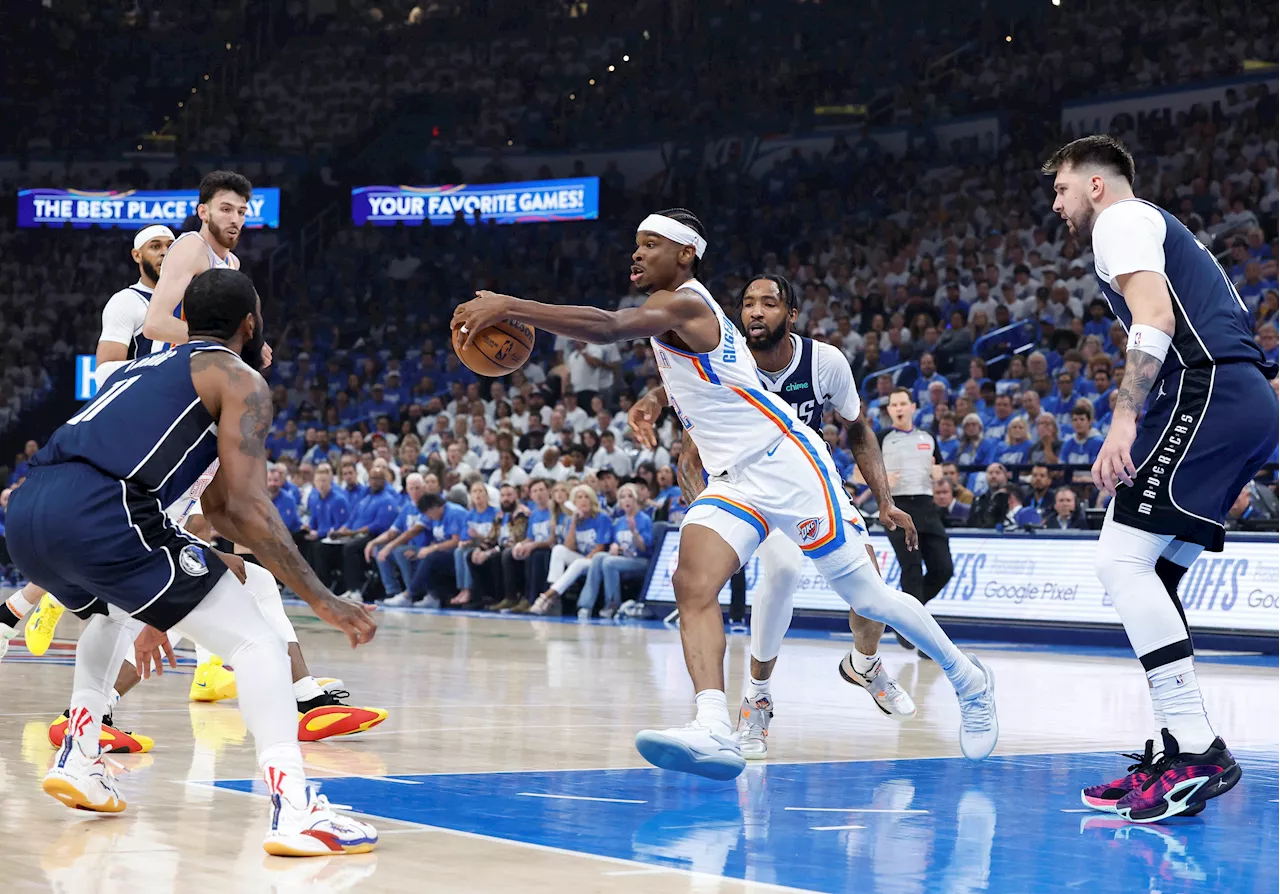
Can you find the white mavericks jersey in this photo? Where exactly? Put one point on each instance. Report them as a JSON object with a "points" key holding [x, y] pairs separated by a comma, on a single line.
{"points": [[718, 397]]}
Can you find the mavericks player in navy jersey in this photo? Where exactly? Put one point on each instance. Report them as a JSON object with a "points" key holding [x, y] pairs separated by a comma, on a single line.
{"points": [[811, 377], [97, 492], [1208, 422]]}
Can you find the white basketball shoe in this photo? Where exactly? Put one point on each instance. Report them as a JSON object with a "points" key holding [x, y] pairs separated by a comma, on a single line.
{"points": [[979, 728], [692, 749], [315, 829], [753, 727], [889, 697], [81, 781]]}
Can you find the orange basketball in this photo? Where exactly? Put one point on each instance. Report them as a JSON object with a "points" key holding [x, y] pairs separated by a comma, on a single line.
{"points": [[498, 349]]}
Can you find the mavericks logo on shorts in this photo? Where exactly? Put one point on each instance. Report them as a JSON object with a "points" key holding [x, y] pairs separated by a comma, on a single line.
{"points": [[809, 529], [192, 561]]}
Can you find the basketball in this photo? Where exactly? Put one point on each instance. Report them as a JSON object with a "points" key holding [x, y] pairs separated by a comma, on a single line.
{"points": [[497, 350]]}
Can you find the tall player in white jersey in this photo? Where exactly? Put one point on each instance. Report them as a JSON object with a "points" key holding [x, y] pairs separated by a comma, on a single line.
{"points": [[812, 377], [766, 472]]}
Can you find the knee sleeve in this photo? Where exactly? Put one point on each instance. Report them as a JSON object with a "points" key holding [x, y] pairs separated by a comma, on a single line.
{"points": [[266, 592], [779, 564], [1125, 563]]}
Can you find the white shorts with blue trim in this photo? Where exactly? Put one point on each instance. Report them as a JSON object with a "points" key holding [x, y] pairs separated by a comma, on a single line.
{"points": [[793, 488]]}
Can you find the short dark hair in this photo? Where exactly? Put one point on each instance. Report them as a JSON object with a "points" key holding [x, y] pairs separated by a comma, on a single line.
{"points": [[786, 291], [217, 300], [427, 502], [907, 391], [689, 219], [216, 181], [1098, 150]]}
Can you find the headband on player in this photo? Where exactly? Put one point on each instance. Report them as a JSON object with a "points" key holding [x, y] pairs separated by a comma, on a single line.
{"points": [[146, 234], [675, 231]]}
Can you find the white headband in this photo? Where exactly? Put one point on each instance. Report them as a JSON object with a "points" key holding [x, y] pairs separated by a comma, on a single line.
{"points": [[675, 231], [146, 234]]}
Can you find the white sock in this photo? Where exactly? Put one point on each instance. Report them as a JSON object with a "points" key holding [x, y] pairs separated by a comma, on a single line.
{"points": [[112, 700], [282, 769], [1175, 689], [713, 711], [863, 663], [306, 689], [202, 654], [757, 688], [19, 604], [1158, 710]]}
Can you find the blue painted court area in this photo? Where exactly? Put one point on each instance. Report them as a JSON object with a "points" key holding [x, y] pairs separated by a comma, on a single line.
{"points": [[1011, 824]]}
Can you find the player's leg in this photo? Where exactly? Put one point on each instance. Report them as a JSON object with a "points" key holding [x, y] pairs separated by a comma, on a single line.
{"points": [[112, 739], [13, 610], [230, 622], [779, 565], [863, 666], [714, 543], [78, 777]]}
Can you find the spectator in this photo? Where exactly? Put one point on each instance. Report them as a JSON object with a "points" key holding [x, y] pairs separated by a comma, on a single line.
{"points": [[954, 513], [992, 507], [1067, 514], [951, 472], [590, 531], [482, 534], [284, 501], [1082, 448], [372, 514], [1048, 444], [486, 561], [627, 556], [394, 550], [1041, 497], [446, 525], [611, 456]]}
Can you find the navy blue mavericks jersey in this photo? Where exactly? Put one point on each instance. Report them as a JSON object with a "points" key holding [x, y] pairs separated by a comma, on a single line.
{"points": [[798, 384], [139, 344], [1211, 323], [147, 426]]}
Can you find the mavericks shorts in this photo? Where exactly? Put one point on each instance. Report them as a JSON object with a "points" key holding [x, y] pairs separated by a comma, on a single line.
{"points": [[94, 541], [1206, 433]]}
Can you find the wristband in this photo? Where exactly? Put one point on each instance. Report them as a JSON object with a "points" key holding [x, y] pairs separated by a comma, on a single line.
{"points": [[1149, 340]]}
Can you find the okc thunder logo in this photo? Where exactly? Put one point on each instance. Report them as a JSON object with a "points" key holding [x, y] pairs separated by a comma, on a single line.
{"points": [[809, 529]]}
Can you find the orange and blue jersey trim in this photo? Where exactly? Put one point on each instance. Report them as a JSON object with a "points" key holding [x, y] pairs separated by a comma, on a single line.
{"points": [[738, 510], [701, 362], [835, 536]]}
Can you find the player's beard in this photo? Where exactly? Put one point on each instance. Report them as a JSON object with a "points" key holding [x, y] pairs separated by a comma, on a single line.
{"points": [[251, 353], [1084, 224], [220, 235], [769, 340]]}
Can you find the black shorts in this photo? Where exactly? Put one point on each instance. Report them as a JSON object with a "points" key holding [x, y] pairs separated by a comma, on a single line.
{"points": [[1205, 435], [91, 540]]}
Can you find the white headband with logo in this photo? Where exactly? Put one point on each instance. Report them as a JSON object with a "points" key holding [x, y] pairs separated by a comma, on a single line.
{"points": [[146, 234], [675, 231]]}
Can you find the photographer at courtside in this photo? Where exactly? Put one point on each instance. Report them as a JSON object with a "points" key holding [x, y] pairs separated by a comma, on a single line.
{"points": [[912, 458]]}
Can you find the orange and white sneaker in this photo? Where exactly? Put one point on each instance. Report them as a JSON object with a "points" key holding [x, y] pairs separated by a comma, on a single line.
{"points": [[315, 829], [326, 715], [212, 682], [112, 740], [81, 781]]}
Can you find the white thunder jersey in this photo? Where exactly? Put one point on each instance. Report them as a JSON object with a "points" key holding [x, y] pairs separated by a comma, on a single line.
{"points": [[718, 397]]}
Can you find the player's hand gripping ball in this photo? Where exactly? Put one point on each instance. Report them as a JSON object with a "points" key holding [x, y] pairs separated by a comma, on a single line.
{"points": [[485, 342]]}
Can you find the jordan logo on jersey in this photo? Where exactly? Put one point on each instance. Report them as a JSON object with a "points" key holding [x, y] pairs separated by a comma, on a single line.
{"points": [[809, 529]]}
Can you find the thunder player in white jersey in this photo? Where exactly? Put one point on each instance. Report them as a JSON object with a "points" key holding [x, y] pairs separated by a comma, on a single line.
{"points": [[766, 472], [812, 377]]}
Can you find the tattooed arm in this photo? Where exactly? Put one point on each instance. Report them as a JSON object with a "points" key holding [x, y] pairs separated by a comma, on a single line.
{"points": [[1147, 296], [237, 502], [689, 471], [869, 461]]}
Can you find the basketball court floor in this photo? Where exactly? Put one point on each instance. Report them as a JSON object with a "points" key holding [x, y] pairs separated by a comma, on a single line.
{"points": [[507, 764]]}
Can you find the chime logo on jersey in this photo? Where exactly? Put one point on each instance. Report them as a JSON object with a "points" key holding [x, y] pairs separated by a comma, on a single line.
{"points": [[191, 559], [809, 529]]}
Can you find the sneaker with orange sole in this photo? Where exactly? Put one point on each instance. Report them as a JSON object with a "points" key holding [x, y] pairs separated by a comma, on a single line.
{"points": [[326, 715], [112, 740]]}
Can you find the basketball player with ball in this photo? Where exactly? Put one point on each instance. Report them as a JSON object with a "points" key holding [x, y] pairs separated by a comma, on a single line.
{"points": [[767, 471]]}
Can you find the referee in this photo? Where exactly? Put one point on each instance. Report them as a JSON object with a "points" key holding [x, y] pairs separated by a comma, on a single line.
{"points": [[913, 461]]}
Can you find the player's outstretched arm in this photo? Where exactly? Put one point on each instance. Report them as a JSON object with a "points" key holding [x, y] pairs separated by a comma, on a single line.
{"points": [[237, 501], [869, 461], [644, 414], [662, 312], [183, 263]]}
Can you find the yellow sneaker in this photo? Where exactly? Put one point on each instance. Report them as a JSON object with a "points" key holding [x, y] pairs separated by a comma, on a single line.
{"points": [[213, 682], [42, 624]]}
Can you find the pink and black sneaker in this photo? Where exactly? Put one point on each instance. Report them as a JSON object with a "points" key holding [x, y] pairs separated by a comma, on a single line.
{"points": [[1180, 784], [1106, 796]]}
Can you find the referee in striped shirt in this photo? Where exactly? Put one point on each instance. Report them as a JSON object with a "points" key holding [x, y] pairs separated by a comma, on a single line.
{"points": [[913, 461]]}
